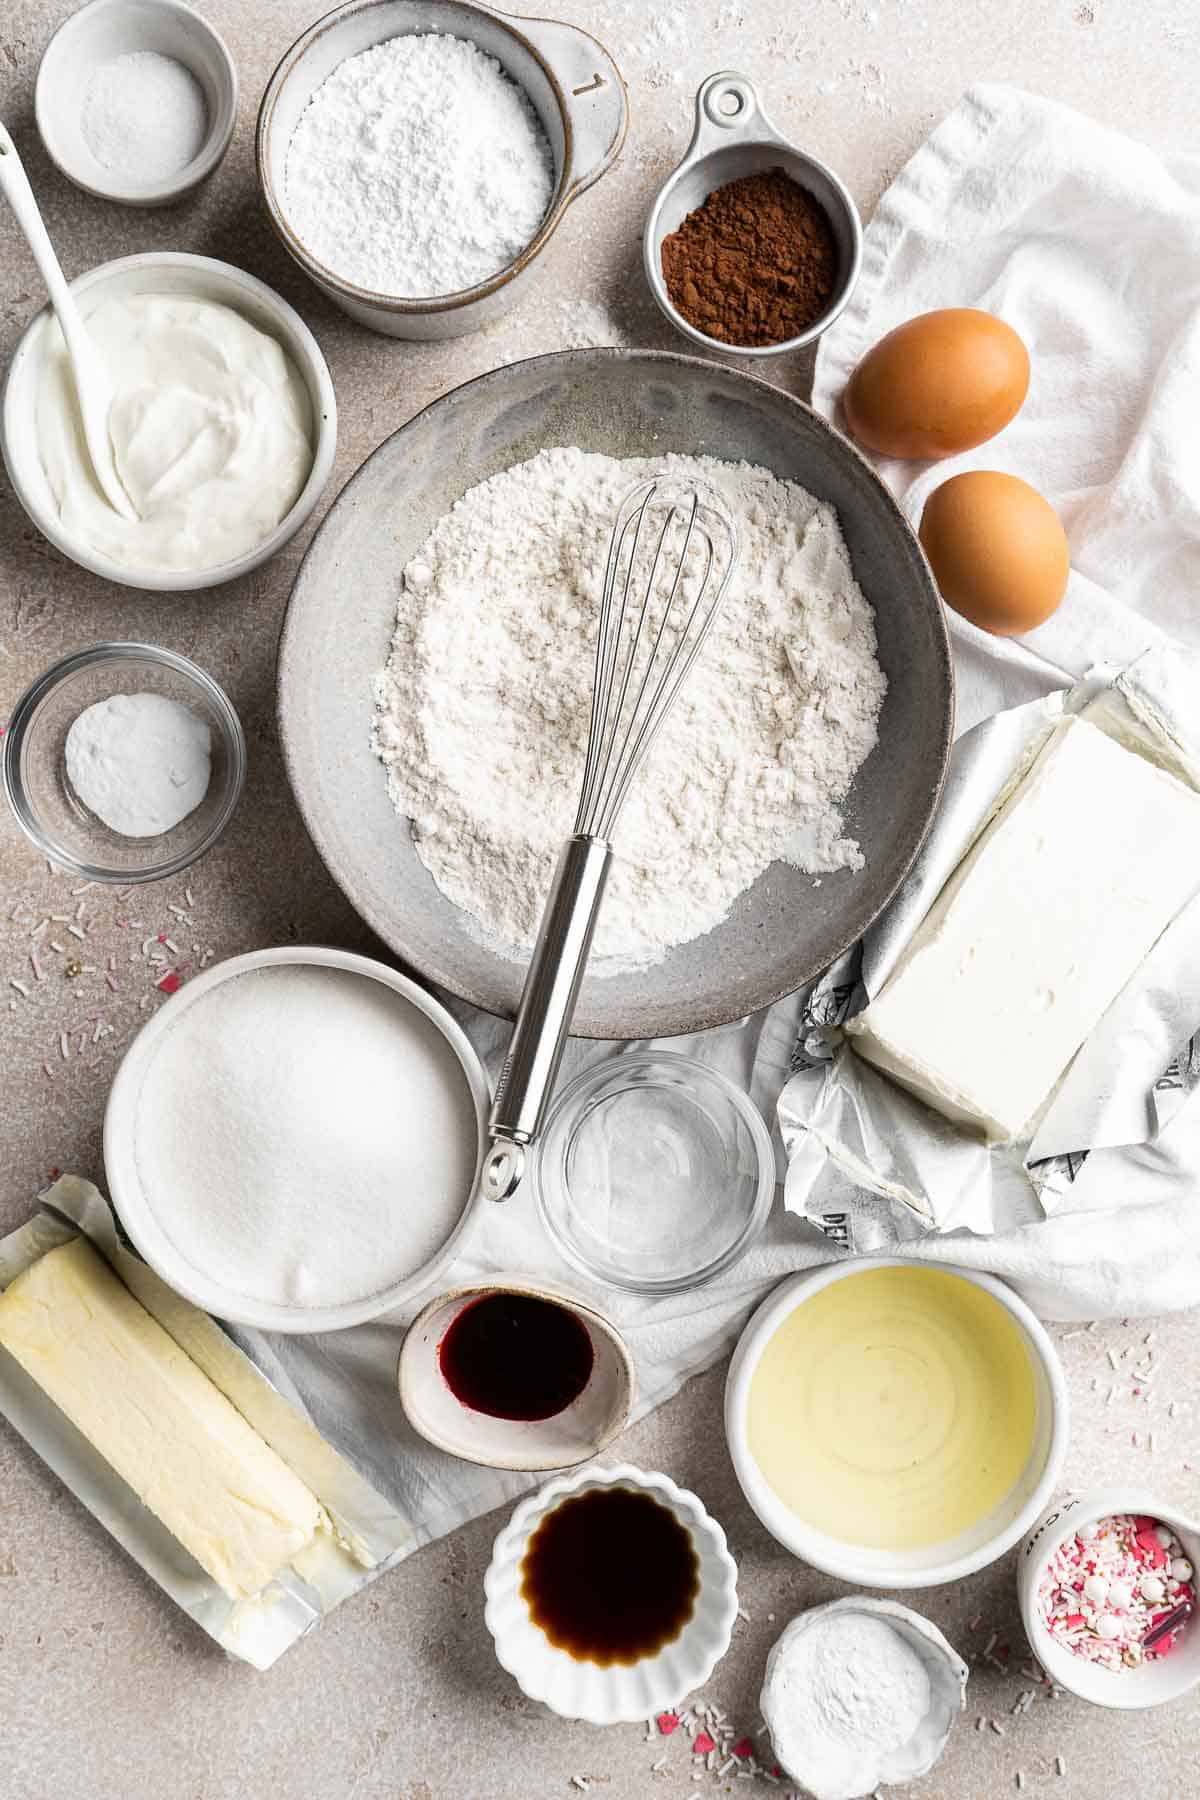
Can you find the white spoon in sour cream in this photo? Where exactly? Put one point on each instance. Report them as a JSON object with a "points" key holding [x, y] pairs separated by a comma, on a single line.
{"points": [[93, 387]]}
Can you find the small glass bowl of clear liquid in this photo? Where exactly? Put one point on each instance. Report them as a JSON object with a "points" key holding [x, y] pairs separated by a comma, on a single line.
{"points": [[654, 1173]]}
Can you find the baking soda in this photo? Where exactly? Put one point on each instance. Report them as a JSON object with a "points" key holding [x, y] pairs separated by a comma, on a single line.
{"points": [[140, 762]]}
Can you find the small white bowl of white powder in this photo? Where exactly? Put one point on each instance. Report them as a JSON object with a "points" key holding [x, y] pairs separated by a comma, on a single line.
{"points": [[415, 160], [136, 100], [860, 1694], [293, 1141]]}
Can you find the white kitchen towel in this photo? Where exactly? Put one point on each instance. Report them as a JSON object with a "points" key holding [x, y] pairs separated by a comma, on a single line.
{"points": [[1090, 246]]}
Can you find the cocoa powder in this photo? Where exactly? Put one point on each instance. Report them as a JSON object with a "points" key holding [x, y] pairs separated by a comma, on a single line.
{"points": [[756, 264]]}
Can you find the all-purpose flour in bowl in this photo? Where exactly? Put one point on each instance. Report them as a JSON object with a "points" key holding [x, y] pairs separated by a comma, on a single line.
{"points": [[295, 1136], [485, 704]]}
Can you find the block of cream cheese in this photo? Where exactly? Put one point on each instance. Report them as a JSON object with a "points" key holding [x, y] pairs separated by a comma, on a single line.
{"points": [[166, 1429], [1039, 928]]}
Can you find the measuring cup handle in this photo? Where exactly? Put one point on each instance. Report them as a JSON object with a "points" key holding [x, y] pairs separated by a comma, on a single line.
{"points": [[594, 96], [728, 110]]}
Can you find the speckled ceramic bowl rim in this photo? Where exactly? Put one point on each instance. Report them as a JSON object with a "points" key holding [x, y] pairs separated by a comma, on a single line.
{"points": [[216, 140], [791, 1532], [565, 191], [501, 1283], [510, 1549], [682, 1019], [144, 1229], [295, 338]]}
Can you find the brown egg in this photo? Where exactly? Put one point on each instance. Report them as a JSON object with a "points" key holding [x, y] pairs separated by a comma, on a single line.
{"points": [[941, 383], [997, 549]]}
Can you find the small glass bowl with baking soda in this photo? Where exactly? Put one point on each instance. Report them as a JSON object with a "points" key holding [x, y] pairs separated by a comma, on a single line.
{"points": [[56, 816], [799, 263]]}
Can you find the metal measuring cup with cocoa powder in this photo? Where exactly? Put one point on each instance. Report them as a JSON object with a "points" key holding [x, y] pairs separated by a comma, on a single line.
{"points": [[752, 246]]}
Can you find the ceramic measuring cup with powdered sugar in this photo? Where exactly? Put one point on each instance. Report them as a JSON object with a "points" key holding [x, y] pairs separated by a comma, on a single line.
{"points": [[733, 138], [859, 1694], [570, 80]]}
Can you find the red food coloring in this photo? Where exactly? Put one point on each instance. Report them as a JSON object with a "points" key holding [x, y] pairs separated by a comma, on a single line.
{"points": [[1074, 1620], [744, 1748], [702, 1743], [1003, 1652], [667, 1723], [170, 983], [1143, 1522], [516, 1356]]}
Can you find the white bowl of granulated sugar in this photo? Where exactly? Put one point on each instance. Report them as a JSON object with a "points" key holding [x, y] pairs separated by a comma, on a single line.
{"points": [[294, 1139]]}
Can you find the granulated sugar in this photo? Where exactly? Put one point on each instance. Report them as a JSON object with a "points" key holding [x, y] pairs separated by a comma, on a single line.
{"points": [[305, 1136], [418, 168], [485, 704]]}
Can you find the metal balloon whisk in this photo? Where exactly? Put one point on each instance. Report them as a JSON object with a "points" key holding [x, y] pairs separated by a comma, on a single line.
{"points": [[672, 552]]}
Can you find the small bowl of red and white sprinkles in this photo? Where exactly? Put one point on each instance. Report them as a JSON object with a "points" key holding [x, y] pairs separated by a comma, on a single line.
{"points": [[1107, 1585]]}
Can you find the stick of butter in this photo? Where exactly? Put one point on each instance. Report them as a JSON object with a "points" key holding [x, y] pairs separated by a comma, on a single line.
{"points": [[166, 1429], [1035, 934]]}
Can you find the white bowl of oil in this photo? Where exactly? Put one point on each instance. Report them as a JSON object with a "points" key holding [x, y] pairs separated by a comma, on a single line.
{"points": [[896, 1423]]}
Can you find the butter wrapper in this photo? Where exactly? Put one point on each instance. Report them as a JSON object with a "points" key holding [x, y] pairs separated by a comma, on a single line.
{"points": [[370, 1534], [871, 1166]]}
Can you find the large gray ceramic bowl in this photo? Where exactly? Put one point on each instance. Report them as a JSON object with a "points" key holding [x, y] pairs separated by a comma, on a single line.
{"points": [[336, 637]]}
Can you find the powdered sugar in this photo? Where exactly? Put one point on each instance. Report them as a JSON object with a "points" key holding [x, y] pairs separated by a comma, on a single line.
{"points": [[842, 1696], [485, 703], [418, 168]]}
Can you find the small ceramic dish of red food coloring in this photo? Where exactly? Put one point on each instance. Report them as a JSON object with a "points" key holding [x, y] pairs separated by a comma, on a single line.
{"points": [[515, 1375]]}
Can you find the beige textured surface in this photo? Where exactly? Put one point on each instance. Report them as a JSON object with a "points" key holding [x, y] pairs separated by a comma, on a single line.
{"points": [[104, 1689]]}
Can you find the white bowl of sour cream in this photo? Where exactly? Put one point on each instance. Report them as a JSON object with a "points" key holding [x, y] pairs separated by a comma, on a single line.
{"points": [[896, 1423], [223, 421]]}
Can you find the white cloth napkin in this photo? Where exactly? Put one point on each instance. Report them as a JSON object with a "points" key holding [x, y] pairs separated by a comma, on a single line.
{"points": [[1090, 246]]}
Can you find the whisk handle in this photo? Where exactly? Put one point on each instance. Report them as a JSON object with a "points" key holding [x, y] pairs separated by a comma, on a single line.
{"points": [[547, 1008]]}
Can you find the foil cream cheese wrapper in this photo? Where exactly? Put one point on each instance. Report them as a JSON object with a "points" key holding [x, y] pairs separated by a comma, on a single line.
{"points": [[855, 1138], [368, 1534]]}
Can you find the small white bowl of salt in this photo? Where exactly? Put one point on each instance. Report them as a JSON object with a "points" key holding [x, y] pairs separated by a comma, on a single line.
{"points": [[136, 100], [860, 1694]]}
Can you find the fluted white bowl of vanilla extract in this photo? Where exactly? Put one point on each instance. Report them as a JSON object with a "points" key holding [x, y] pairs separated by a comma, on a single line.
{"points": [[610, 1594]]}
